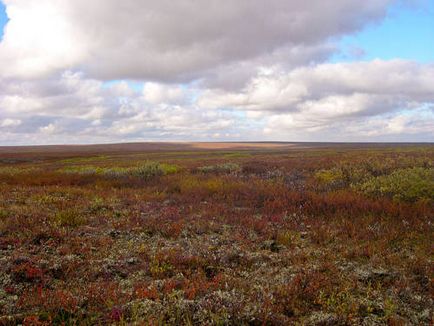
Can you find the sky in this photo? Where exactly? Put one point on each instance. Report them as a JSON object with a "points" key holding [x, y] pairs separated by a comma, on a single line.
{"points": [[104, 71]]}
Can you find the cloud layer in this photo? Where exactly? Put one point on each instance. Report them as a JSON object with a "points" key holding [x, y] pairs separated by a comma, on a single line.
{"points": [[223, 70], [165, 39]]}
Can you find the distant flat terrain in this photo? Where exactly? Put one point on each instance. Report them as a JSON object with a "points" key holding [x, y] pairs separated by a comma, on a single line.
{"points": [[152, 150], [188, 146], [143, 147]]}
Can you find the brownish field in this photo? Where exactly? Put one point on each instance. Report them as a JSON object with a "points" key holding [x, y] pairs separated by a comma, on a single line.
{"points": [[217, 234], [186, 146]]}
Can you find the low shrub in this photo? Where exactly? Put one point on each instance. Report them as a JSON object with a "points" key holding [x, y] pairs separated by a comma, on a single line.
{"points": [[148, 170], [189, 184], [238, 155], [85, 170], [330, 179], [3, 213], [214, 185], [169, 168], [69, 217], [256, 168], [224, 168], [7, 170], [404, 184], [285, 238]]}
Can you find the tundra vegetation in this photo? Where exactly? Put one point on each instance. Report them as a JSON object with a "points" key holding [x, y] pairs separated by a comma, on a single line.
{"points": [[314, 236]]}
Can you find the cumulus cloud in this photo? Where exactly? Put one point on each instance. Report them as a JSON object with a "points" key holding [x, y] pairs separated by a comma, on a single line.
{"points": [[169, 40], [10, 123], [407, 125], [355, 101], [72, 108], [333, 89], [156, 93], [338, 100]]}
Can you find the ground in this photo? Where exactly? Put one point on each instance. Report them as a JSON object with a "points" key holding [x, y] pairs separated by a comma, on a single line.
{"points": [[236, 233]]}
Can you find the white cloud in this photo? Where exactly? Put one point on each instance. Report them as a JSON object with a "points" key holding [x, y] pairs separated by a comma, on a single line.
{"points": [[39, 38], [217, 69], [10, 123], [333, 89], [170, 40], [72, 108], [337, 100], [50, 129], [310, 103], [413, 125], [156, 93]]}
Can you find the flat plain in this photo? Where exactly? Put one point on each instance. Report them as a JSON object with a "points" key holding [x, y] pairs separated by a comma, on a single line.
{"points": [[217, 233]]}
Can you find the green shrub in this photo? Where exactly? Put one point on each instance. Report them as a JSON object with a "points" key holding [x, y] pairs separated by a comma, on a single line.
{"points": [[83, 159], [328, 176], [237, 155], [69, 217], [331, 179], [97, 204], [404, 184], [7, 170], [286, 238], [3, 213], [148, 170], [81, 170], [347, 174], [224, 168], [169, 168]]}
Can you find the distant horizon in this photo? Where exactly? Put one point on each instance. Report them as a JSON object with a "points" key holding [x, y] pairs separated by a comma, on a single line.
{"points": [[221, 142]]}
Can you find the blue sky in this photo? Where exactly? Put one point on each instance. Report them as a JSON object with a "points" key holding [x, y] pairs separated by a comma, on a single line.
{"points": [[3, 18], [406, 33]]}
